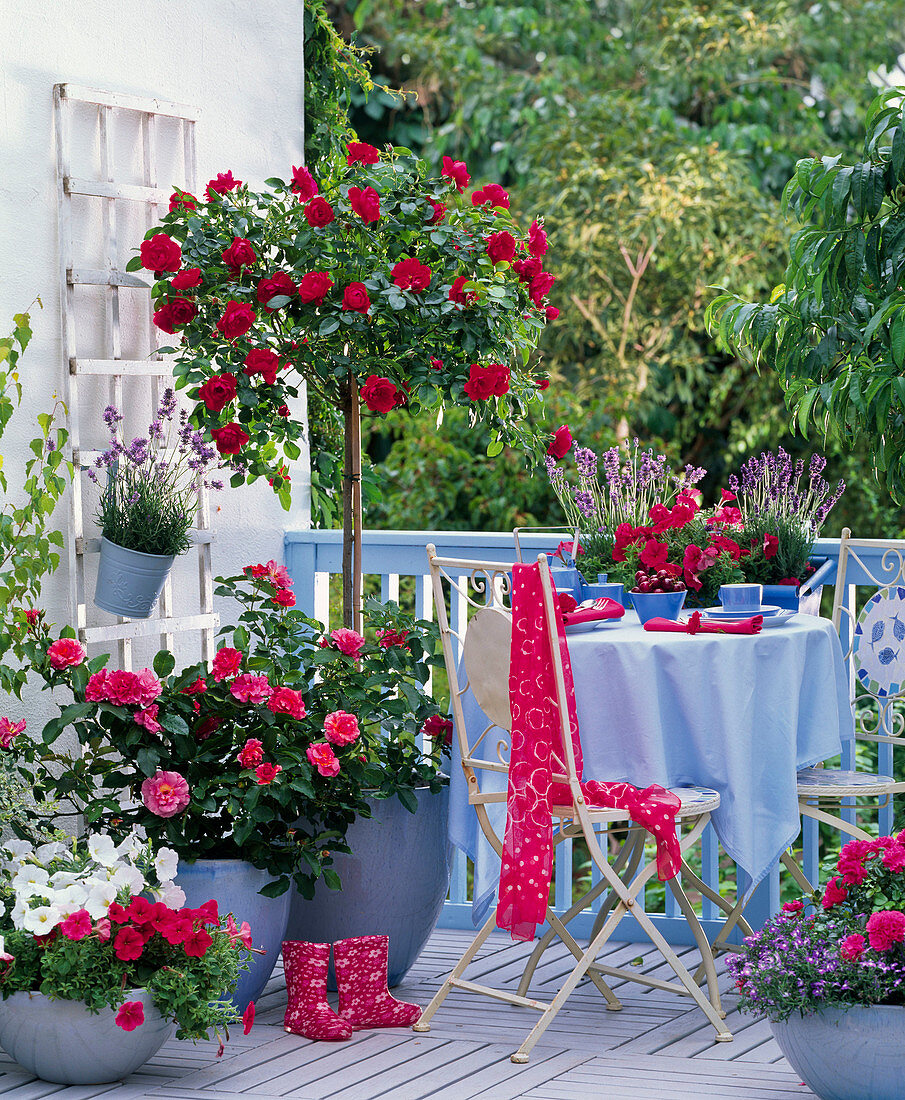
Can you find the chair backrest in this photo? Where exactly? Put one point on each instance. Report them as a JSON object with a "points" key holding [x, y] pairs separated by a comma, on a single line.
{"points": [[557, 535], [872, 630], [472, 602]]}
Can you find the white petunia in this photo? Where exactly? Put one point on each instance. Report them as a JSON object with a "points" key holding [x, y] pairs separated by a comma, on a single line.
{"points": [[131, 846], [102, 850], [17, 915], [49, 851], [100, 899], [69, 899], [130, 878], [165, 864], [30, 890], [172, 895], [42, 920], [65, 878], [29, 875], [18, 849]]}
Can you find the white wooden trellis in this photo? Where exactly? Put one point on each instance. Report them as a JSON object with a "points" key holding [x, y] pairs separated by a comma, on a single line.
{"points": [[113, 108]]}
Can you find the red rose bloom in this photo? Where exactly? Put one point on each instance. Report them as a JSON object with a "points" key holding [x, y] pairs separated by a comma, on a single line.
{"points": [[252, 753], [227, 662], [560, 443], [456, 171], [165, 318], [207, 727], [66, 653], [436, 364], [314, 287], [358, 152], [500, 246], [365, 203], [266, 773], [303, 184], [160, 253], [542, 383], [355, 298], [540, 287], [379, 394], [230, 439], [551, 313], [439, 213], [527, 268], [491, 195], [264, 362], [237, 319], [239, 254], [185, 280], [218, 392], [439, 728], [286, 701], [284, 598], [484, 382], [458, 293], [283, 410], [319, 212], [537, 239], [885, 928], [410, 274], [223, 182], [182, 200], [388, 638], [278, 284]]}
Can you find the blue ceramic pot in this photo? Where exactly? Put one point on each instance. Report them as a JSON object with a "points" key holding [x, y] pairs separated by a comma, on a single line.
{"points": [[128, 581], [235, 885], [847, 1054], [657, 605], [612, 591], [393, 884]]}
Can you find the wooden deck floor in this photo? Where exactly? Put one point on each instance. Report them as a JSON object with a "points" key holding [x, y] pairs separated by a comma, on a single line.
{"points": [[655, 1049]]}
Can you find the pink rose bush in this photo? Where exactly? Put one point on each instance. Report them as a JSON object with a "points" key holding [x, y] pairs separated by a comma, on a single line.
{"points": [[108, 917], [845, 946], [285, 723]]}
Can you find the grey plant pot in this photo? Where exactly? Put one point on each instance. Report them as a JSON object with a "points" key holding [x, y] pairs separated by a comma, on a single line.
{"points": [[61, 1041], [235, 885], [393, 884], [853, 1054], [128, 581]]}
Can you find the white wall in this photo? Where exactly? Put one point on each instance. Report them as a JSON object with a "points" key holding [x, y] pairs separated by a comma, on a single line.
{"points": [[242, 64]]}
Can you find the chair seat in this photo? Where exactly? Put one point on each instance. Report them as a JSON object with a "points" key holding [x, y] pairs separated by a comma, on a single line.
{"points": [[835, 783], [695, 801]]}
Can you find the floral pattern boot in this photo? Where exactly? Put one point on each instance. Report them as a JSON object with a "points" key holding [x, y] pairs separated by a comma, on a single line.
{"points": [[361, 977], [308, 1013]]}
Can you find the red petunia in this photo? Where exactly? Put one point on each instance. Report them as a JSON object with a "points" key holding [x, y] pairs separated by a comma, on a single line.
{"points": [[129, 944]]}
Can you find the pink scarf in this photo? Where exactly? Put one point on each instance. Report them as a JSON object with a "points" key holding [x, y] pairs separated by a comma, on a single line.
{"points": [[536, 752]]}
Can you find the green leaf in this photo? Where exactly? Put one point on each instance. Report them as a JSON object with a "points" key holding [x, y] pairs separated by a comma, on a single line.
{"points": [[147, 758], [164, 663], [494, 448], [328, 325]]}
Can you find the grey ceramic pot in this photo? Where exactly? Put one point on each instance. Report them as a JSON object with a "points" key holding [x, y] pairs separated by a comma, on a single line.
{"points": [[853, 1054], [128, 581], [393, 884], [235, 885], [61, 1041]]}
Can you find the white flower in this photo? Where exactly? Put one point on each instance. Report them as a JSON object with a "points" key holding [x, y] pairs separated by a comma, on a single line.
{"points": [[18, 849], [2, 908], [127, 877], [29, 875], [131, 846], [30, 890], [69, 899], [18, 913], [49, 851], [42, 920], [172, 895], [102, 850], [100, 899], [165, 863], [64, 878]]}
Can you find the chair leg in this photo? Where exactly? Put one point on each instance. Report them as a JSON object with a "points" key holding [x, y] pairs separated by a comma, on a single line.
{"points": [[694, 924], [633, 850], [477, 943], [613, 1003]]}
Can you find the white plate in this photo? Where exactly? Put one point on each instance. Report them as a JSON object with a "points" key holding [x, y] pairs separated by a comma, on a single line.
{"points": [[585, 628], [721, 613]]}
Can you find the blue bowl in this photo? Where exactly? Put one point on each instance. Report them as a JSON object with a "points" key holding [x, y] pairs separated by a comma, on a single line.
{"points": [[657, 605]]}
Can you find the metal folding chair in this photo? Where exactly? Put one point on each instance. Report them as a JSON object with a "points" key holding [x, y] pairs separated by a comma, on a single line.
{"points": [[478, 594]]}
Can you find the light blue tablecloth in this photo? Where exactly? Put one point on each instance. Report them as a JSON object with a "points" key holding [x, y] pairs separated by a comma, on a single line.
{"points": [[738, 713]]}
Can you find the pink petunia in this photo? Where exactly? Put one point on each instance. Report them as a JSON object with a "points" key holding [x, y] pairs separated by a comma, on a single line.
{"points": [[248, 1017], [131, 1015], [77, 925]]}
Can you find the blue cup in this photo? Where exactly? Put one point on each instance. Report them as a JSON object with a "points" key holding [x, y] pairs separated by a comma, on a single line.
{"points": [[657, 605], [741, 597], [612, 591]]}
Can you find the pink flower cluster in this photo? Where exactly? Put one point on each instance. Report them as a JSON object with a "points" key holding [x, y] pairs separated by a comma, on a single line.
{"points": [[346, 641], [124, 689], [249, 688], [66, 653]]}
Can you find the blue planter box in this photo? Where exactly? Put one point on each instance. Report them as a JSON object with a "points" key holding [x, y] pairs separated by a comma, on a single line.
{"points": [[806, 597]]}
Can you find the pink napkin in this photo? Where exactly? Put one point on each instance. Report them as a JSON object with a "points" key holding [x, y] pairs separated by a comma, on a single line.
{"points": [[696, 625], [602, 608]]}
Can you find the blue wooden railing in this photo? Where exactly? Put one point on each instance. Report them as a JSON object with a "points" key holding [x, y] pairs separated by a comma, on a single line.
{"points": [[313, 557]]}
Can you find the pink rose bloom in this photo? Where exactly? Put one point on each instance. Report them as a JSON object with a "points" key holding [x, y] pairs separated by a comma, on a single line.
{"points": [[66, 652], [96, 688], [9, 731], [894, 858], [278, 575], [266, 773], [341, 728], [77, 925], [885, 928], [833, 894], [124, 689], [227, 662], [165, 793], [286, 701], [249, 688], [252, 754], [147, 686], [148, 719], [321, 756], [852, 947], [793, 906], [347, 641]]}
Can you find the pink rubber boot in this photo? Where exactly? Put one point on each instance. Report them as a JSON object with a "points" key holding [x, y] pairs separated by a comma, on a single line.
{"points": [[361, 977], [308, 1013]]}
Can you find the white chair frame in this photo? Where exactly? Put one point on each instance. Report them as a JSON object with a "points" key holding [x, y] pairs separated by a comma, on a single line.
{"points": [[491, 580]]}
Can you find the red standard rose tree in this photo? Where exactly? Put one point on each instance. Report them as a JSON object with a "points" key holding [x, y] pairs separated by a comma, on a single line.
{"points": [[377, 283]]}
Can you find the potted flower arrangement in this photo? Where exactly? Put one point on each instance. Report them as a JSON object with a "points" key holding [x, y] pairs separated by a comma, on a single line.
{"points": [[643, 524], [829, 974], [99, 961], [147, 506], [377, 283], [251, 768]]}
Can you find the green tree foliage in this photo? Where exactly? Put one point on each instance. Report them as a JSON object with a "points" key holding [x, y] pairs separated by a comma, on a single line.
{"points": [[657, 137]]}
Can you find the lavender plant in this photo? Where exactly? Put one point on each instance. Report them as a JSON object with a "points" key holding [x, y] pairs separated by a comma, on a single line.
{"points": [[148, 501], [777, 502]]}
